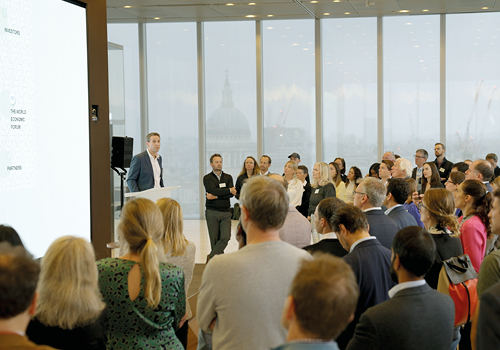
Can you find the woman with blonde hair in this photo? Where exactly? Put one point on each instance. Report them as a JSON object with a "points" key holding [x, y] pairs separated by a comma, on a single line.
{"points": [[146, 297], [322, 186], [454, 180], [437, 213], [496, 183], [295, 187], [70, 312], [340, 190], [177, 251], [250, 168]]}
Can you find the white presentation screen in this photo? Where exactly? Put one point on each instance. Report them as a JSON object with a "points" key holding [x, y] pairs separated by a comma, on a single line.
{"points": [[44, 121]]}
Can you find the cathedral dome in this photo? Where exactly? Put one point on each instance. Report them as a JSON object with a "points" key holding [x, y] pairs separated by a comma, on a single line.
{"points": [[227, 123]]}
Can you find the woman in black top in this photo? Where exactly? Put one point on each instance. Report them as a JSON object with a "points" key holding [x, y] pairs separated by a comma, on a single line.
{"points": [[70, 312], [437, 212], [321, 186], [250, 168], [430, 177]]}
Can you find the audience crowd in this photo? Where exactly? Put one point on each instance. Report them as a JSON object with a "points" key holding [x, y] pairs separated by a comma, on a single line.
{"points": [[372, 279]]}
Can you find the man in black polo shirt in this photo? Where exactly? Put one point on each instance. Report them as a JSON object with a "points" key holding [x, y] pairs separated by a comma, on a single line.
{"points": [[219, 188]]}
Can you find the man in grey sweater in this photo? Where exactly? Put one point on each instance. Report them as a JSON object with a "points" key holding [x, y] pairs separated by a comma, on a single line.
{"points": [[242, 293]]}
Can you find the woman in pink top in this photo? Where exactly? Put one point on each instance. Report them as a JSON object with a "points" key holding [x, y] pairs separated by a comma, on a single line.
{"points": [[474, 201]]}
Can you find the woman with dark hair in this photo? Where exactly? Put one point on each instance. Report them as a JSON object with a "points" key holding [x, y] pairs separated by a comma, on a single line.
{"points": [[250, 168], [373, 172], [341, 163], [409, 205], [430, 177], [384, 171], [302, 173], [353, 178], [475, 202], [8, 234], [454, 180], [337, 180]]}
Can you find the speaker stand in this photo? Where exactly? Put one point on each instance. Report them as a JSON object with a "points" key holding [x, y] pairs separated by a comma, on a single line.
{"points": [[122, 175]]}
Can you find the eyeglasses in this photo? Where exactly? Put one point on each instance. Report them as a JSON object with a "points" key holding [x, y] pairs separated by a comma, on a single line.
{"points": [[421, 205], [354, 193], [416, 156]]}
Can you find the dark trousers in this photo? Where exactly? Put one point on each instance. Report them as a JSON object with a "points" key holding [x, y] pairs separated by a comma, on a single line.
{"points": [[219, 230], [182, 334]]}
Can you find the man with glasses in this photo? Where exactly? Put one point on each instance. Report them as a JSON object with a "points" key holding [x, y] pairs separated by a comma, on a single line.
{"points": [[480, 170], [368, 197], [420, 159]]}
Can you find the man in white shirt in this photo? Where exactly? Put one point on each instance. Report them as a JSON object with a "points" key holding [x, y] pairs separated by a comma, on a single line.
{"points": [[265, 164], [421, 156], [146, 170], [417, 316]]}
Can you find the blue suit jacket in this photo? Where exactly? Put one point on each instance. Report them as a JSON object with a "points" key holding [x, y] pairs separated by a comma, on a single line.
{"points": [[382, 227], [415, 318], [141, 176], [402, 217], [371, 263]]}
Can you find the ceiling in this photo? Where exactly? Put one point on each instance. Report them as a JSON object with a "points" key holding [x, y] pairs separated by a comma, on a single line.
{"points": [[142, 11]]}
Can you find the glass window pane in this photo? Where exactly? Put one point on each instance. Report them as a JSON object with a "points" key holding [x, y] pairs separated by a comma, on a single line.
{"points": [[230, 90], [350, 91], [126, 35], [411, 84], [289, 91], [173, 107], [472, 81]]}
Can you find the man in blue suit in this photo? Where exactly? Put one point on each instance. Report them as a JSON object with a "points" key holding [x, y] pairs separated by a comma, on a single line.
{"points": [[397, 193], [370, 261], [417, 316], [146, 169]]}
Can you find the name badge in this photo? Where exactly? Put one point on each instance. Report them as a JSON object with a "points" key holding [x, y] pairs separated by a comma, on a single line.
{"points": [[441, 170], [317, 191], [222, 185]]}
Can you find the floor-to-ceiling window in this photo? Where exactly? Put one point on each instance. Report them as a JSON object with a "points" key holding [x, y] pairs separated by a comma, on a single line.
{"points": [[472, 85], [173, 107], [289, 91], [411, 57], [349, 48]]}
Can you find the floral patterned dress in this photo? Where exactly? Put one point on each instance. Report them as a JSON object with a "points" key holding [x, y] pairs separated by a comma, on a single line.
{"points": [[132, 324]]}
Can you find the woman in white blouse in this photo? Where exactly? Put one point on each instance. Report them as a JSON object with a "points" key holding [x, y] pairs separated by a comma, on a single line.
{"points": [[339, 184], [295, 187]]}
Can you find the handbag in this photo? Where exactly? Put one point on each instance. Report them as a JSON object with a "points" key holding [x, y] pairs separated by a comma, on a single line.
{"points": [[458, 279]]}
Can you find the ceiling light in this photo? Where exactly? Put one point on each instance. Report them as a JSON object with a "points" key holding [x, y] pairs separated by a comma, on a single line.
{"points": [[229, 4], [326, 14], [425, 10], [314, 2], [127, 7], [270, 15], [250, 16], [336, 0], [347, 13], [404, 11], [408, 24], [157, 17], [251, 4], [485, 8], [269, 28]]}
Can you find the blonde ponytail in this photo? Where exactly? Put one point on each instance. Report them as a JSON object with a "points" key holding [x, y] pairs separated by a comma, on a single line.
{"points": [[141, 226]]}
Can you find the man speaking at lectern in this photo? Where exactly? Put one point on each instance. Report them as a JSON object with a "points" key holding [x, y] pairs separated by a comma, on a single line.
{"points": [[145, 168]]}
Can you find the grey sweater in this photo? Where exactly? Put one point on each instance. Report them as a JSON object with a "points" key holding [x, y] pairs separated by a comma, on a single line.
{"points": [[246, 291]]}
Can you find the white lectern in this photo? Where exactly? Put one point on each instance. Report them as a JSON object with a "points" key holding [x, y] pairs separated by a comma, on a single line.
{"points": [[153, 194]]}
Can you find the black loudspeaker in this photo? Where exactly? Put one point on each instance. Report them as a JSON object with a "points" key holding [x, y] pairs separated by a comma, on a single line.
{"points": [[121, 151]]}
